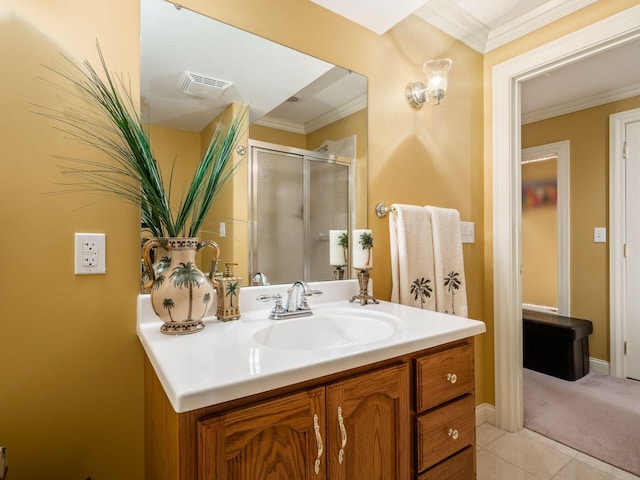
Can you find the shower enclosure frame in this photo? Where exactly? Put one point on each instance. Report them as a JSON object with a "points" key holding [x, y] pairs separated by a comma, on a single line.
{"points": [[307, 156]]}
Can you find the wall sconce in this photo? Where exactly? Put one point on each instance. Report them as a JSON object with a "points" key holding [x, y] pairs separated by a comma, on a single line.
{"points": [[433, 92]]}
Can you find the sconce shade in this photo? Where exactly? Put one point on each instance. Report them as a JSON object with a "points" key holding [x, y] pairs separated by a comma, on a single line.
{"points": [[437, 71]]}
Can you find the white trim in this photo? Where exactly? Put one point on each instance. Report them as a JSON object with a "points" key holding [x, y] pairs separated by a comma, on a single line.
{"points": [[601, 98], [485, 413], [560, 150], [617, 235], [537, 18], [599, 367], [615, 30], [457, 22]]}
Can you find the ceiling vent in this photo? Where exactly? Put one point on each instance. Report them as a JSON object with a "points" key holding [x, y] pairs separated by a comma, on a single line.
{"points": [[201, 86]]}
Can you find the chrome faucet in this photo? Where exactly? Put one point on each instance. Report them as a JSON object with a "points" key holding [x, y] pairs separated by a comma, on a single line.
{"points": [[296, 304]]}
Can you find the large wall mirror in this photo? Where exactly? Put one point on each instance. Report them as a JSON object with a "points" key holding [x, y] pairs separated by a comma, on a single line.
{"points": [[303, 164]]}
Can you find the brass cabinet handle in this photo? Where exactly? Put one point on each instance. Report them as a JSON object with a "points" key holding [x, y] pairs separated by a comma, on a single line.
{"points": [[452, 377], [343, 433], [453, 433], [316, 427]]}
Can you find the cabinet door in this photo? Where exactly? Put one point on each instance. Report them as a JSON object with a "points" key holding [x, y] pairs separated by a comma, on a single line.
{"points": [[274, 440], [368, 426]]}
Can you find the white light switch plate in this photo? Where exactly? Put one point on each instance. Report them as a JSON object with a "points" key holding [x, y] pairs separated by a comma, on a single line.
{"points": [[468, 232], [600, 235], [90, 253]]}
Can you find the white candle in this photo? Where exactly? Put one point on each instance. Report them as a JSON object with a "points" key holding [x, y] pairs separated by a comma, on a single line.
{"points": [[337, 253], [362, 257]]}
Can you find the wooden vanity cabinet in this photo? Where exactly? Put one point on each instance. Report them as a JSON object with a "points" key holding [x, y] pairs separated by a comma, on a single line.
{"points": [[369, 426], [356, 428], [388, 421], [445, 413]]}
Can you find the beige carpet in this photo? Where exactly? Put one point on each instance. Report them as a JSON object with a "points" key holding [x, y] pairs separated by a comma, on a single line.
{"points": [[598, 415]]}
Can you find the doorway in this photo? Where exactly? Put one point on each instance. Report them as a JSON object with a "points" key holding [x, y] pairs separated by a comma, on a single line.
{"points": [[624, 173], [507, 76], [547, 162]]}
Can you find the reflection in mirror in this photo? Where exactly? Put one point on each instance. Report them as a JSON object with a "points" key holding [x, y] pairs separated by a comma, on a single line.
{"points": [[285, 223], [195, 71]]}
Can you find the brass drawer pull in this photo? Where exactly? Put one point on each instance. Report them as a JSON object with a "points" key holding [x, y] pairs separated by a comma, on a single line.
{"points": [[453, 433], [316, 427], [343, 434], [452, 377]]}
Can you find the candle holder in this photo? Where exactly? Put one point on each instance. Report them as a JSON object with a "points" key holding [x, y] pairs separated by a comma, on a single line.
{"points": [[363, 297], [338, 273]]}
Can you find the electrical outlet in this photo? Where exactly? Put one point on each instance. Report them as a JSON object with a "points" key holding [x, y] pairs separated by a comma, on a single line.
{"points": [[90, 253], [468, 232]]}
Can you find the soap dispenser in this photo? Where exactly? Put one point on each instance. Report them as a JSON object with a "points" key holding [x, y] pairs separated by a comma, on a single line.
{"points": [[228, 293]]}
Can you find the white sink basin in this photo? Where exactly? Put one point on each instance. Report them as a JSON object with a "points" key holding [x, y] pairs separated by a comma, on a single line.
{"points": [[327, 329]]}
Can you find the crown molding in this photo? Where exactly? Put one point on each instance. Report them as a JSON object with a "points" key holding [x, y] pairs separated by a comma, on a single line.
{"points": [[453, 20], [537, 18], [581, 104], [334, 115]]}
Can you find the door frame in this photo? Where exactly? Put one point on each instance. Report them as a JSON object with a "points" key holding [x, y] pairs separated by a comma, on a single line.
{"points": [[506, 144], [561, 151], [617, 236]]}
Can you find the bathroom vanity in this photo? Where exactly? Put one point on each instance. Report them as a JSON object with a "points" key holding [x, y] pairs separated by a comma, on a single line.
{"points": [[389, 396]]}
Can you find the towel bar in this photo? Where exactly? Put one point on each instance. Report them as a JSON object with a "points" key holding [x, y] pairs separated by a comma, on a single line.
{"points": [[382, 209]]}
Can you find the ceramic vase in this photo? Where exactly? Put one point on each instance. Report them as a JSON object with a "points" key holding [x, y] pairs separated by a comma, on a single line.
{"points": [[180, 293]]}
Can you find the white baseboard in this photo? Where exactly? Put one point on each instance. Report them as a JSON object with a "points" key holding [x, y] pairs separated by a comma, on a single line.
{"points": [[598, 366], [485, 413]]}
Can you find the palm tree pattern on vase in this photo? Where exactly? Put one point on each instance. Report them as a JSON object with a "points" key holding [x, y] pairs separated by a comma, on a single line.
{"points": [[421, 288], [343, 241], [366, 240], [232, 291], [168, 304], [186, 275], [452, 282]]}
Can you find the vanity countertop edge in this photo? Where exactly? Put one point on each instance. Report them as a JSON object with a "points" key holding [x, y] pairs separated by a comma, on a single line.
{"points": [[216, 365]]}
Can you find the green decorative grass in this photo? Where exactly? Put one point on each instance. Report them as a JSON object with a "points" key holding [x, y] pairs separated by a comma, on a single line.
{"points": [[108, 121]]}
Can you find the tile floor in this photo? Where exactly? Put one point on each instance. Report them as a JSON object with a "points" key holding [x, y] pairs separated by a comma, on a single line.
{"points": [[526, 455]]}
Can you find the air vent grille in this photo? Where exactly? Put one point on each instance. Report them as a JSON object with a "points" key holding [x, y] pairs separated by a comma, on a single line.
{"points": [[201, 85]]}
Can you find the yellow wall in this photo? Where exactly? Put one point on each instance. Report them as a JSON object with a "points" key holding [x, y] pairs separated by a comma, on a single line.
{"points": [[71, 386], [588, 133], [540, 240], [279, 137], [71, 390], [577, 20]]}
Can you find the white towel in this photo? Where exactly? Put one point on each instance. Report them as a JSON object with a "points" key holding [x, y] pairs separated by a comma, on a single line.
{"points": [[450, 286], [412, 257]]}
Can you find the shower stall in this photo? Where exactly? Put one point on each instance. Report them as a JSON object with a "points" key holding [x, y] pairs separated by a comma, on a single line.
{"points": [[296, 197]]}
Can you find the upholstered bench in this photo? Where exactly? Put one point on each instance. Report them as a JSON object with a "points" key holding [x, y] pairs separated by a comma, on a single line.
{"points": [[556, 345]]}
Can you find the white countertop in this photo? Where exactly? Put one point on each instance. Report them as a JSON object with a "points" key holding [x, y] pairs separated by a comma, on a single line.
{"points": [[223, 363]]}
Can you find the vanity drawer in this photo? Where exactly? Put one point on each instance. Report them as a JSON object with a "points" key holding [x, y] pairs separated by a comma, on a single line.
{"points": [[444, 431], [443, 376], [458, 467]]}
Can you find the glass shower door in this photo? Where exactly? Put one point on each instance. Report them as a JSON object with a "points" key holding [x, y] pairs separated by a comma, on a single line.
{"points": [[278, 216], [298, 196]]}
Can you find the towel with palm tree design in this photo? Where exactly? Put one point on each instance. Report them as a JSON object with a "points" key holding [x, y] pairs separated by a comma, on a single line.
{"points": [[412, 257], [450, 291]]}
